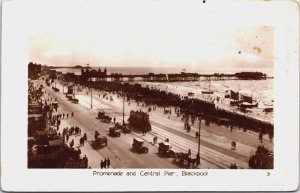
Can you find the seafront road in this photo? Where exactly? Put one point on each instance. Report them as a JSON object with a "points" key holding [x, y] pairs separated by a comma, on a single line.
{"points": [[215, 150]]}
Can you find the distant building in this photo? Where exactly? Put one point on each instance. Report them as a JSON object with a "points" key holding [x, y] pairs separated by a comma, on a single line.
{"points": [[34, 70], [99, 75]]}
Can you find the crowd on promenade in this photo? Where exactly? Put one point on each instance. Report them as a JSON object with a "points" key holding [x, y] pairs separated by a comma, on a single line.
{"points": [[193, 107]]}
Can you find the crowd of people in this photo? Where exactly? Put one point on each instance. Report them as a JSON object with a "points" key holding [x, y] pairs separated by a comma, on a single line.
{"points": [[105, 163]]}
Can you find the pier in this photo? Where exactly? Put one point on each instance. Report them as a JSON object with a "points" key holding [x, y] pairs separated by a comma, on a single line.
{"points": [[99, 76]]}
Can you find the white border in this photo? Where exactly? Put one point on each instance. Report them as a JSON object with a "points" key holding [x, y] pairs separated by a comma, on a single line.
{"points": [[283, 15]]}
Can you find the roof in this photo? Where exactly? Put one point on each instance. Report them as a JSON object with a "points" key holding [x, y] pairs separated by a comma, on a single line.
{"points": [[38, 115], [166, 143], [138, 139]]}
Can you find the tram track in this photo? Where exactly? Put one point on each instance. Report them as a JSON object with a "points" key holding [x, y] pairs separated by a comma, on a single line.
{"points": [[181, 143]]}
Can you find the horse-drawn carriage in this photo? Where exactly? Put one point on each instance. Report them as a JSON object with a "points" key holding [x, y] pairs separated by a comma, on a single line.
{"points": [[138, 146], [55, 89], [185, 160], [114, 131], [164, 149], [100, 140], [103, 117], [74, 100], [123, 128]]}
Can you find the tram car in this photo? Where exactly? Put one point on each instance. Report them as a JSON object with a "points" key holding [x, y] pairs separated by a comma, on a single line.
{"points": [[140, 120]]}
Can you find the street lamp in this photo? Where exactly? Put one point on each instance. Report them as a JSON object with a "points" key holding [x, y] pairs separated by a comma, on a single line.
{"points": [[63, 84], [91, 96], [123, 106], [74, 90], [198, 154]]}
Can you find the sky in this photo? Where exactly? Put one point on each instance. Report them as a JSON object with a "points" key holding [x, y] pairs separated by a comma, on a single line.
{"points": [[146, 34]]}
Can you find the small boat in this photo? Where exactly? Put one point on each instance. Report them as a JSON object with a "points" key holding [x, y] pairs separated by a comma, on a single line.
{"points": [[208, 91], [235, 102], [248, 102], [227, 96], [268, 109], [191, 94], [248, 105], [234, 98]]}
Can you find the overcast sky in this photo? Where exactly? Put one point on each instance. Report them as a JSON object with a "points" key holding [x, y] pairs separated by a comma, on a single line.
{"points": [[145, 33]]}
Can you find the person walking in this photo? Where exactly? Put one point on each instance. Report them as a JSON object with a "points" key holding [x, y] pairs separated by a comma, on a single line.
{"points": [[85, 136], [108, 162], [72, 143], [104, 163], [85, 160]]}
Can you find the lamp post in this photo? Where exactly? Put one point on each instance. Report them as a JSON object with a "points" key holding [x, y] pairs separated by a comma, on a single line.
{"points": [[123, 107], [74, 90], [63, 84], [198, 154], [91, 96]]}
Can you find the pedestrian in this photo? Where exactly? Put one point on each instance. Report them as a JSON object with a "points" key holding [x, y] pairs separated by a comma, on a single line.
{"points": [[72, 143], [104, 163], [101, 164], [72, 114], [114, 119], [85, 159], [85, 136], [63, 115], [67, 115], [80, 141], [108, 162], [189, 152]]}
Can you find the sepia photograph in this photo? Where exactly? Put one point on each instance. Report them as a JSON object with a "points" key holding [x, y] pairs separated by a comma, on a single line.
{"points": [[150, 95], [117, 91]]}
